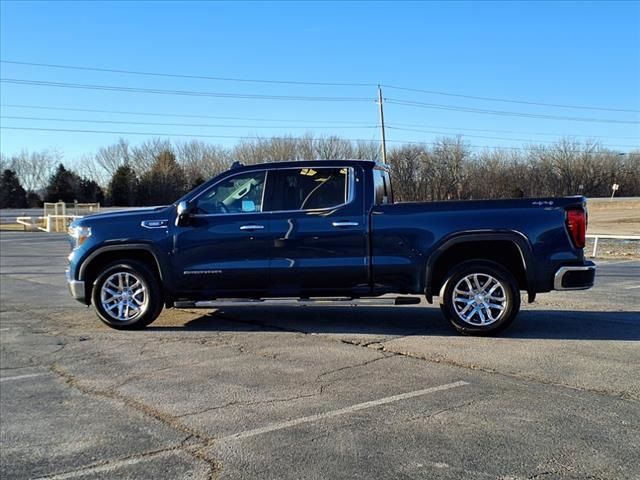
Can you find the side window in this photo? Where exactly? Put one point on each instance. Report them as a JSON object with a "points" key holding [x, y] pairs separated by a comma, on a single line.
{"points": [[381, 187], [241, 193], [387, 187], [310, 188]]}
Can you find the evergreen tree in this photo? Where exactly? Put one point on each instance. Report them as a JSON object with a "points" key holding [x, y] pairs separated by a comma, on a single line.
{"points": [[33, 200], [67, 186], [89, 192], [12, 195], [63, 186], [123, 187], [164, 182]]}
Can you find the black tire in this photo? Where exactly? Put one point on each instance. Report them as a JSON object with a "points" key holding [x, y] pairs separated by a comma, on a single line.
{"points": [[458, 305], [149, 303]]}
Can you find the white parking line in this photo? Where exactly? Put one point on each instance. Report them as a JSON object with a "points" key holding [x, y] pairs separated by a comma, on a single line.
{"points": [[107, 467], [20, 377], [342, 411]]}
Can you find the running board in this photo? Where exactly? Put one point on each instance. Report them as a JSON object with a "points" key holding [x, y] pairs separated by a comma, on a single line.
{"points": [[338, 301]]}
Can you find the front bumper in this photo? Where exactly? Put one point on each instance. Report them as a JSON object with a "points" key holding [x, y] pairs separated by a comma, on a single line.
{"points": [[578, 277], [76, 287]]}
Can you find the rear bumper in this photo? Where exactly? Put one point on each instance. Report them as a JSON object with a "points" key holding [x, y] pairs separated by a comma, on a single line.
{"points": [[76, 288], [575, 277]]}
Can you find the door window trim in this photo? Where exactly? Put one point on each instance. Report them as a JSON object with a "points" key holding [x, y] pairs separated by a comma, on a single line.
{"points": [[350, 197]]}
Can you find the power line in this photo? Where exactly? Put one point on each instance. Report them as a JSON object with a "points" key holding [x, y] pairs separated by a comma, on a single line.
{"points": [[191, 93], [303, 98], [177, 115], [509, 100], [195, 77], [296, 82], [206, 125], [502, 147], [248, 137], [296, 120], [527, 140], [163, 134], [517, 132], [436, 106]]}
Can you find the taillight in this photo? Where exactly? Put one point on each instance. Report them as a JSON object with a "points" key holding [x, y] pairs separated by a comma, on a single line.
{"points": [[577, 226]]}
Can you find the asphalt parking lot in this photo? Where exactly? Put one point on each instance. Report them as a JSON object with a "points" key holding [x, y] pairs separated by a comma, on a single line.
{"points": [[314, 392]]}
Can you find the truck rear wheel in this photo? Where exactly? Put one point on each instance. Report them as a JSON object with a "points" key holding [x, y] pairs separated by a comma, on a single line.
{"points": [[480, 297], [127, 295]]}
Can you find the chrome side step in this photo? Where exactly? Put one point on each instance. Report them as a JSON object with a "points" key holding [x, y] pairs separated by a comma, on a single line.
{"points": [[325, 301]]}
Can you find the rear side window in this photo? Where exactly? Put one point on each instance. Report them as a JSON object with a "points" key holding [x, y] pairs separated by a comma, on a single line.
{"points": [[310, 188], [382, 187]]}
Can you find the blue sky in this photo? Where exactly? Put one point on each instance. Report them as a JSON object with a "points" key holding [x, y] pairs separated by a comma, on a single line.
{"points": [[569, 53]]}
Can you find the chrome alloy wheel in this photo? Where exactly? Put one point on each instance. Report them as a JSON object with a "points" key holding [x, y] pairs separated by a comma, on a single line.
{"points": [[124, 296], [480, 299]]}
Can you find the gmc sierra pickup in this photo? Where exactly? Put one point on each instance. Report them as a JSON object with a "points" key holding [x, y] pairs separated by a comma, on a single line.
{"points": [[329, 231]]}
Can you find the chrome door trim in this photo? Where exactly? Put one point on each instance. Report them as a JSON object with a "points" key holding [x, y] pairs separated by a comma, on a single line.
{"points": [[345, 224], [250, 228]]}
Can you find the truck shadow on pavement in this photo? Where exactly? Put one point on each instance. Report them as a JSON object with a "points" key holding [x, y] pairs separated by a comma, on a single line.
{"points": [[402, 321]]}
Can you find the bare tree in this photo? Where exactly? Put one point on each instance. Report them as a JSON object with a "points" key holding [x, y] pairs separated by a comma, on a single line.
{"points": [[407, 165], [367, 151], [449, 156], [201, 160], [246, 152], [33, 169], [143, 157], [87, 166], [114, 156], [332, 147], [446, 170]]}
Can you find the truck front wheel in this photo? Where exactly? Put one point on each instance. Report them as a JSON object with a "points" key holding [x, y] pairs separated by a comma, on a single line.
{"points": [[479, 298], [127, 295]]}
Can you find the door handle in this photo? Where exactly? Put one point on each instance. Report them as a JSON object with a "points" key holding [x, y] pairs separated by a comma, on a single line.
{"points": [[251, 228], [344, 224]]}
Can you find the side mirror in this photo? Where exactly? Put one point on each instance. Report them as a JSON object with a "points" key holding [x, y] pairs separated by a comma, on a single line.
{"points": [[183, 212]]}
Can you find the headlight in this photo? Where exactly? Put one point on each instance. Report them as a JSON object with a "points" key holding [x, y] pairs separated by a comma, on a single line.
{"points": [[79, 234]]}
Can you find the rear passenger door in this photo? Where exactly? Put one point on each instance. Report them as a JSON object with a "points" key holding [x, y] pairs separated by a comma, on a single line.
{"points": [[319, 231]]}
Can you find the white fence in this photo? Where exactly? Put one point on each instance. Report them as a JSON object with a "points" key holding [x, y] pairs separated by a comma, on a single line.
{"points": [[607, 237], [50, 223], [57, 216]]}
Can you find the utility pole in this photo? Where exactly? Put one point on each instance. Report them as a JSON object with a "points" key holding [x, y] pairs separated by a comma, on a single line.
{"points": [[383, 144]]}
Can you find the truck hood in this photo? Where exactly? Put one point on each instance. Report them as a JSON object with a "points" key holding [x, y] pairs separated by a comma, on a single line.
{"points": [[137, 214]]}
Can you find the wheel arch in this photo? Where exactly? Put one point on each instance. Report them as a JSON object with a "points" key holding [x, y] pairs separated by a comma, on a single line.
{"points": [[102, 256], [510, 249]]}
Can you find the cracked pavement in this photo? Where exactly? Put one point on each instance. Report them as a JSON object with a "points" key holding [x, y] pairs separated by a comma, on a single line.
{"points": [[314, 392]]}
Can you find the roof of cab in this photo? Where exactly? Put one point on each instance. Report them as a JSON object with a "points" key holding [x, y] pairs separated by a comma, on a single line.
{"points": [[306, 163]]}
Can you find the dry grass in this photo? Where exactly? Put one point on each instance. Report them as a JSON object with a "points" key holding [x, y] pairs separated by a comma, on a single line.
{"points": [[12, 227], [617, 217]]}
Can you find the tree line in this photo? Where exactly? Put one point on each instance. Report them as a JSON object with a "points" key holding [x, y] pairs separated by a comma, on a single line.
{"points": [[158, 171]]}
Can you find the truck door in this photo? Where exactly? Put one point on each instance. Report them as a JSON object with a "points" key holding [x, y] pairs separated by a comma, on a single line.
{"points": [[225, 248], [319, 231]]}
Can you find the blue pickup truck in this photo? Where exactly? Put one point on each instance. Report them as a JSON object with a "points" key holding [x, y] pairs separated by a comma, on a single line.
{"points": [[327, 231]]}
